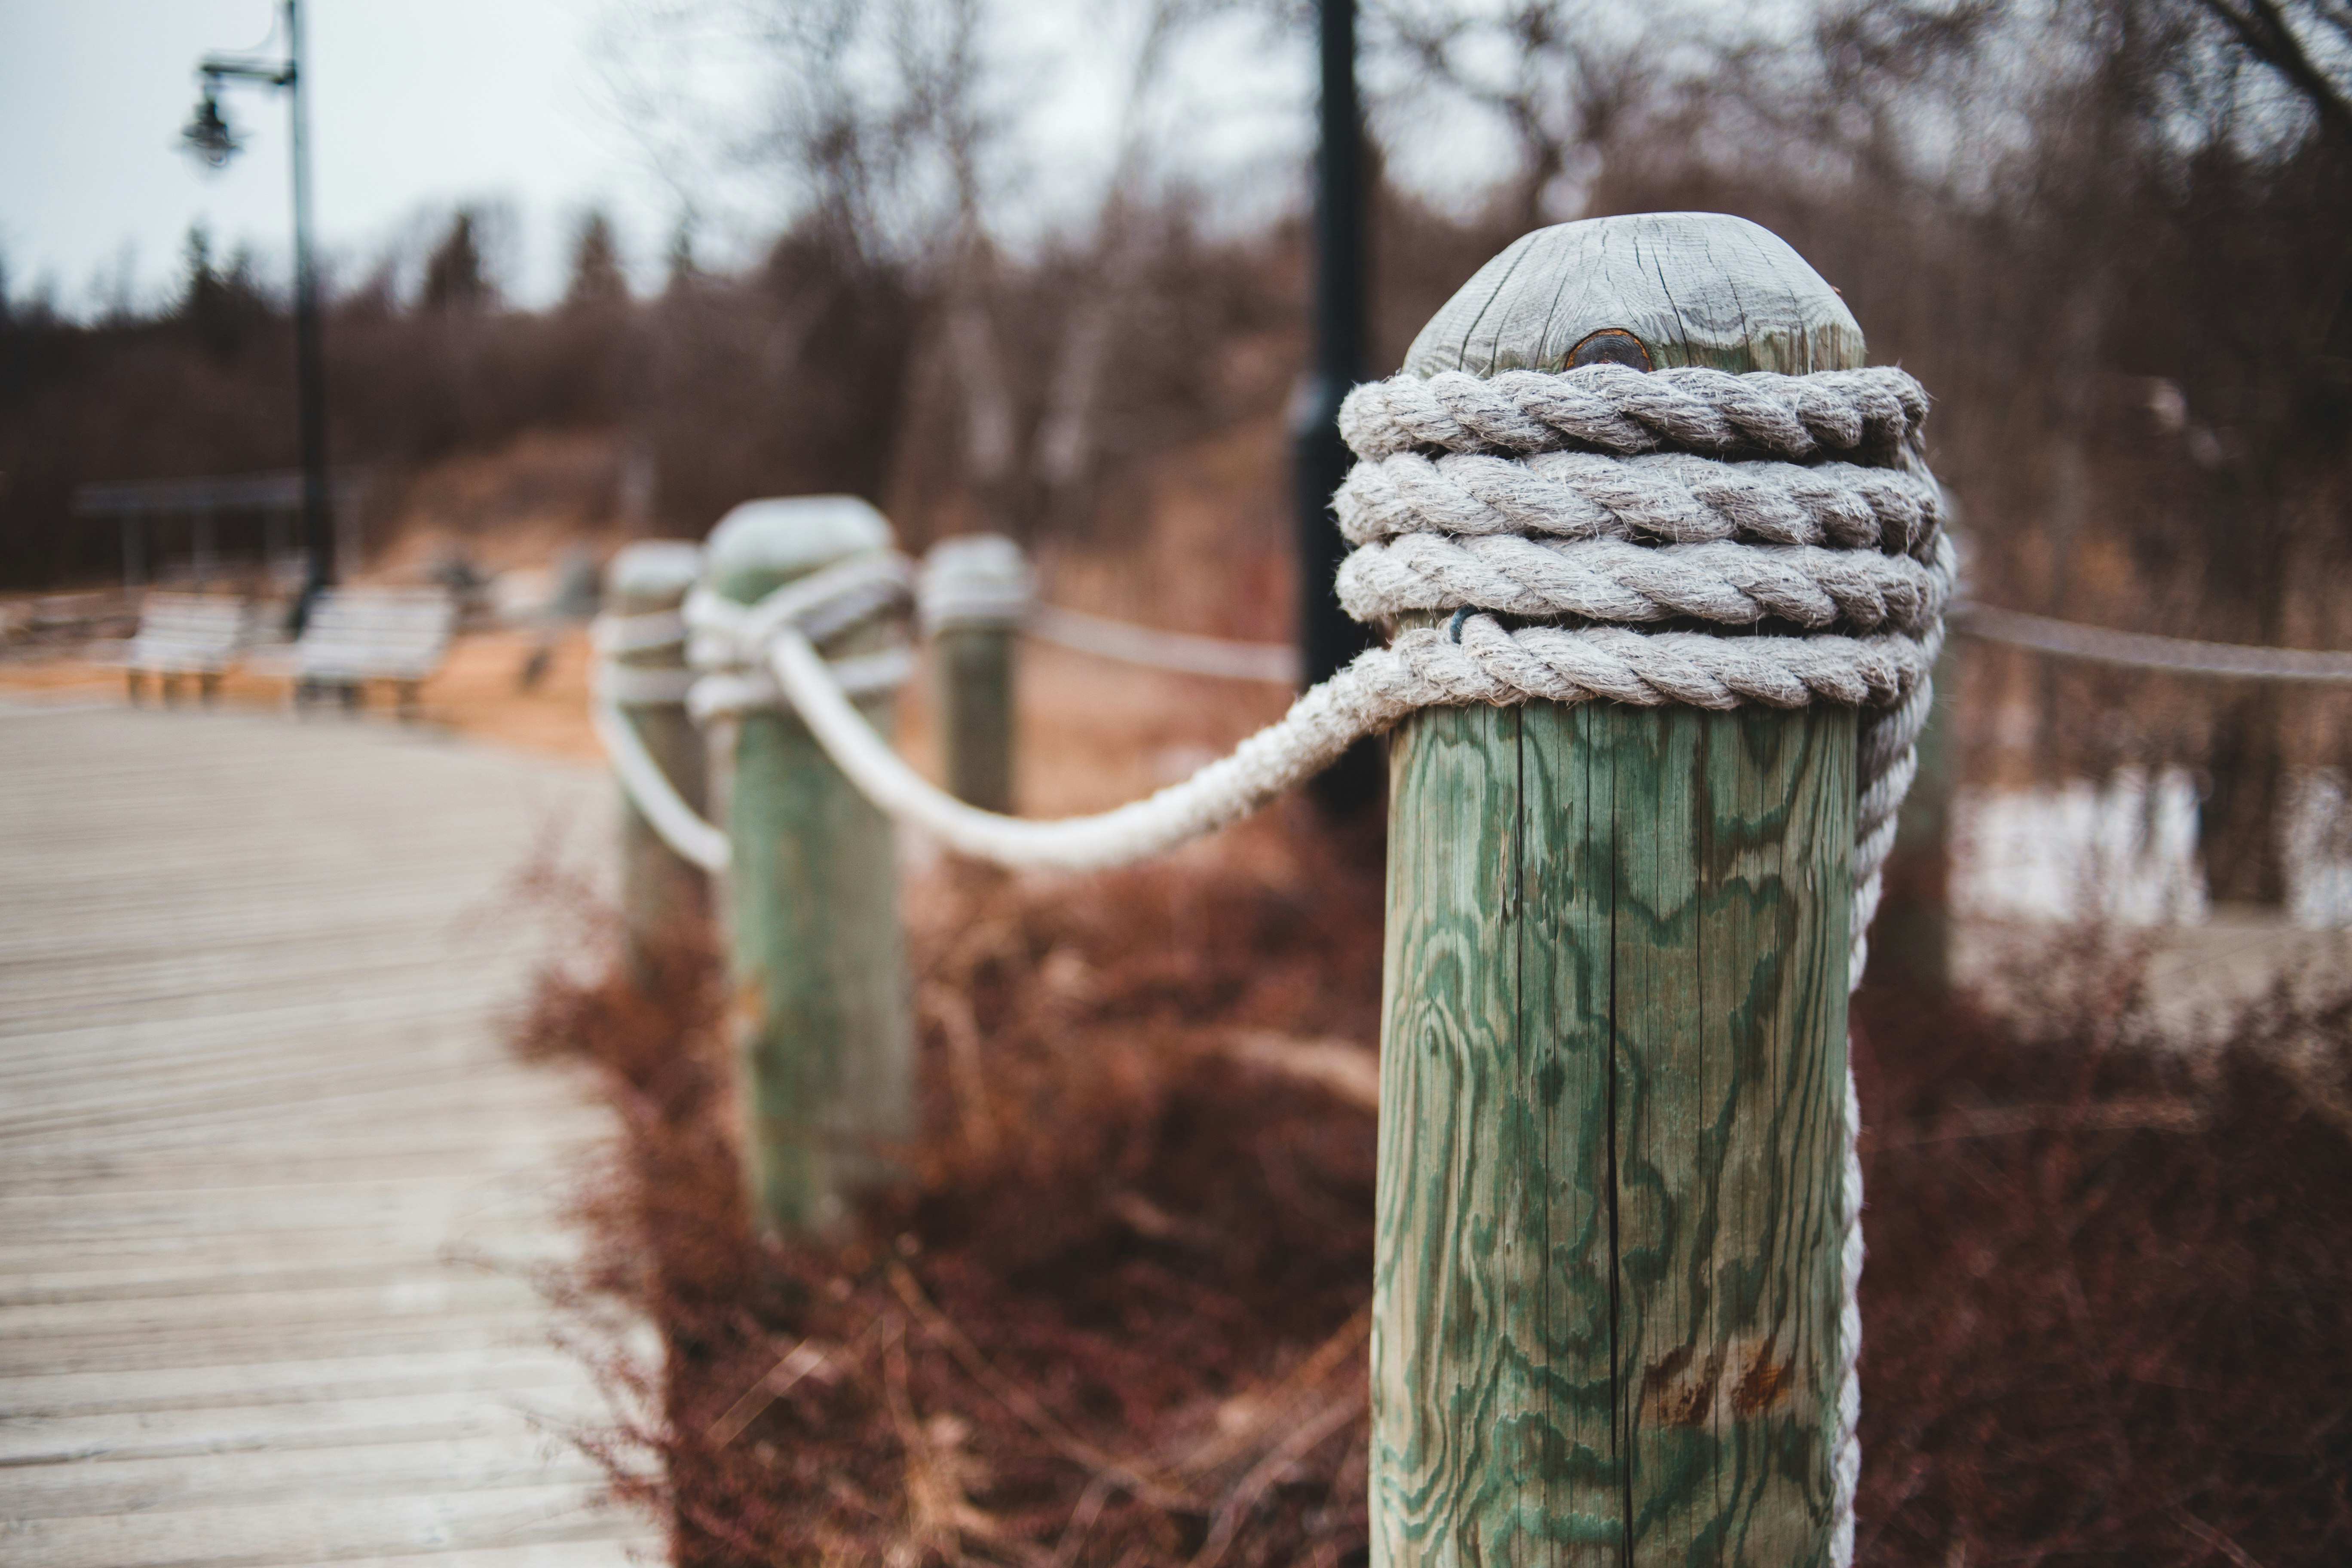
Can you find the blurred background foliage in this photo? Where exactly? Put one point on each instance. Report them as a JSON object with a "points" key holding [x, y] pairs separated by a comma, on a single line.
{"points": [[2114, 237]]}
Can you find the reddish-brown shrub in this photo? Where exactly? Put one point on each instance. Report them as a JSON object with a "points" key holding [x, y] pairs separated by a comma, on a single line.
{"points": [[1118, 1317]]}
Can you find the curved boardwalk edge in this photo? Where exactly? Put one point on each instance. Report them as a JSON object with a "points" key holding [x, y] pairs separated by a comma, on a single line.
{"points": [[269, 1180]]}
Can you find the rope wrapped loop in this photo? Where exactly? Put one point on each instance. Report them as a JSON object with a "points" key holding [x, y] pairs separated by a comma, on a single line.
{"points": [[973, 580], [1684, 536], [725, 645], [1679, 536]]}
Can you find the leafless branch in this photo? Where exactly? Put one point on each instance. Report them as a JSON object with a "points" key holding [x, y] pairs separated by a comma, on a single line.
{"points": [[2263, 27]]}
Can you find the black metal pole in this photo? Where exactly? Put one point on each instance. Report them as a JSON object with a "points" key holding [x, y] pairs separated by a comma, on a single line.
{"points": [[309, 374], [1327, 637]]}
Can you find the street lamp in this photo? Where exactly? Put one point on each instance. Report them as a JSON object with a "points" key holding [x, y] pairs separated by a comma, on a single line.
{"points": [[213, 141], [208, 136]]}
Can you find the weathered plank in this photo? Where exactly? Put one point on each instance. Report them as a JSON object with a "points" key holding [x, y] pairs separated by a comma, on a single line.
{"points": [[240, 1536], [111, 1391], [1605, 1319], [269, 1177], [280, 1476]]}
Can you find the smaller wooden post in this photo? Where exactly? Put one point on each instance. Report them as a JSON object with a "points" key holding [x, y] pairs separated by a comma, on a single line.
{"points": [[974, 595], [660, 893], [816, 962]]}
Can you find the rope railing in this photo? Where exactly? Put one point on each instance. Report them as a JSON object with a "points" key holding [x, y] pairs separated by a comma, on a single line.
{"points": [[2140, 650], [1821, 583], [1185, 653], [1179, 653], [1868, 619], [1602, 550]]}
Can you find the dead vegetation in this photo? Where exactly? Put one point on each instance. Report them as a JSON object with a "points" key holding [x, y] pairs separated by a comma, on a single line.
{"points": [[1118, 1317]]}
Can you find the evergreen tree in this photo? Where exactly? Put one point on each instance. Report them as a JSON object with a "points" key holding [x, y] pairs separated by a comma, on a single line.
{"points": [[200, 288], [596, 275], [454, 277]]}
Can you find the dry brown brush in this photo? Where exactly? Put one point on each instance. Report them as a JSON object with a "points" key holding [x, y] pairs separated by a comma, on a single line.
{"points": [[1119, 1316]]}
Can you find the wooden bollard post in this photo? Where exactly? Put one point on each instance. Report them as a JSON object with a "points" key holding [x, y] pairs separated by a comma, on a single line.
{"points": [[1606, 1307], [660, 893], [973, 596], [816, 960]]}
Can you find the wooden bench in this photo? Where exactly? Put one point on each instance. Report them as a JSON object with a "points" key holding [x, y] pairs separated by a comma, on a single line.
{"points": [[186, 634], [358, 634]]}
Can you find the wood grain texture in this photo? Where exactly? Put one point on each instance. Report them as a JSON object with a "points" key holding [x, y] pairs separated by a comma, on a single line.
{"points": [[1694, 288], [816, 956], [660, 893], [974, 666], [1614, 1042]]}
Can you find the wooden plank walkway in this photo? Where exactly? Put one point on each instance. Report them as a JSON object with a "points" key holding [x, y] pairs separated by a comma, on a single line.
{"points": [[269, 1181]]}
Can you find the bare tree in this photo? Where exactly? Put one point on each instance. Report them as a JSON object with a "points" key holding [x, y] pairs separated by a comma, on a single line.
{"points": [[2276, 35], [1562, 76]]}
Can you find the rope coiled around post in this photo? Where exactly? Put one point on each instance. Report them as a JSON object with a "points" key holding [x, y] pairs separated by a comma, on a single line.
{"points": [[1584, 527], [1684, 536]]}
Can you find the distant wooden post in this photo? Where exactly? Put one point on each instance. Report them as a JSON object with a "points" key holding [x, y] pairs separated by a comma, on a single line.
{"points": [[1614, 1036], [974, 595], [816, 960], [660, 893]]}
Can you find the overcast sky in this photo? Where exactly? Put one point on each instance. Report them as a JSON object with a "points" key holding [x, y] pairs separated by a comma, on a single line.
{"points": [[423, 103], [414, 105]]}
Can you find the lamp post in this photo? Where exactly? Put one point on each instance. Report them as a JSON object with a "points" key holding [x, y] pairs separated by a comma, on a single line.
{"points": [[1319, 459], [214, 142]]}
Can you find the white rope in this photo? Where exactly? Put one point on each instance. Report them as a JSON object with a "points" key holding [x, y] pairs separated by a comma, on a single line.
{"points": [[1180, 652], [677, 823], [1618, 409], [614, 634], [1670, 496], [1829, 582], [723, 634], [642, 686], [858, 677], [1612, 580], [2137, 650]]}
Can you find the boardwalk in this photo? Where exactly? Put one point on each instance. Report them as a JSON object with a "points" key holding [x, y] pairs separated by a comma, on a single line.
{"points": [[266, 1178]]}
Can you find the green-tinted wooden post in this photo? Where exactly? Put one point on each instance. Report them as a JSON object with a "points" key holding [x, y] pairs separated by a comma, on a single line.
{"points": [[816, 960], [974, 595], [661, 895], [1614, 1037]]}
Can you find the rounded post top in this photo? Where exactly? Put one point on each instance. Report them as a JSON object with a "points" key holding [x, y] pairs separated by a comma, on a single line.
{"points": [[1688, 288], [763, 544], [976, 555], [652, 573], [978, 580]]}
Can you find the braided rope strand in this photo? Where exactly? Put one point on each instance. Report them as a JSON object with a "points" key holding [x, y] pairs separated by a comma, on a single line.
{"points": [[1612, 580], [1616, 409], [1668, 497]]}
